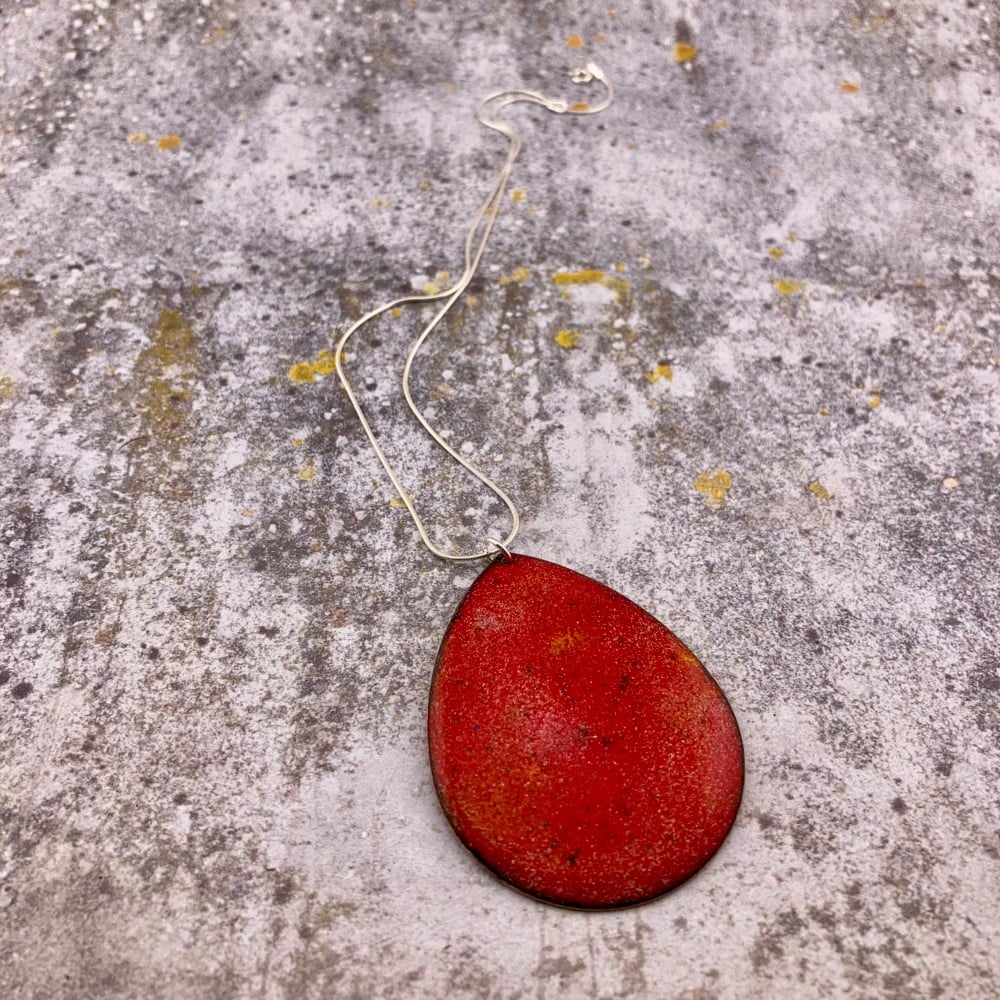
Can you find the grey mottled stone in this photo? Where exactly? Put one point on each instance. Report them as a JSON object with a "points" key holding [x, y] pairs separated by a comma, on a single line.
{"points": [[218, 634]]}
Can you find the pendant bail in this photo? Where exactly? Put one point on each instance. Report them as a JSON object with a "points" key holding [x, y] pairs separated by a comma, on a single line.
{"points": [[502, 550]]}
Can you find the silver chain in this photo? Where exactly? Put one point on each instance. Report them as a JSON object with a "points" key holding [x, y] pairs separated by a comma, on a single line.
{"points": [[487, 112]]}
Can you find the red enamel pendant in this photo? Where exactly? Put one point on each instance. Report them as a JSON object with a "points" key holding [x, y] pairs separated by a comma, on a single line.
{"points": [[579, 749]]}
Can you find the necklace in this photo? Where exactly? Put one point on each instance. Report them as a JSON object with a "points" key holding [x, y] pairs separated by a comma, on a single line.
{"points": [[578, 748]]}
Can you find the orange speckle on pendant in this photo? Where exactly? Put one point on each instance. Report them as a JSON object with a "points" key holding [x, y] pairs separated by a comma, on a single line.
{"points": [[601, 765], [575, 42], [848, 87], [169, 142], [137, 138], [579, 106]]}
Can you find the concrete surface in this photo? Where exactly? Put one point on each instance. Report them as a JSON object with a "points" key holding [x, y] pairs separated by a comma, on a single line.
{"points": [[777, 430]]}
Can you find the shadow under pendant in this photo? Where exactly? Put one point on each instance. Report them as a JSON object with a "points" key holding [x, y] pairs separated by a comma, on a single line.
{"points": [[578, 748]]}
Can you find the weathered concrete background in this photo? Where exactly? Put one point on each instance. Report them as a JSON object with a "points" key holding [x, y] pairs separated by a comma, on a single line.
{"points": [[777, 430]]}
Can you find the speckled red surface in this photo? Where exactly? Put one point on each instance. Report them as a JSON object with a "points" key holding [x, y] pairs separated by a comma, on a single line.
{"points": [[579, 749]]}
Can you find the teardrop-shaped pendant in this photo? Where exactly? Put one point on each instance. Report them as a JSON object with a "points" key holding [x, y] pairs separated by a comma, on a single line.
{"points": [[579, 749]]}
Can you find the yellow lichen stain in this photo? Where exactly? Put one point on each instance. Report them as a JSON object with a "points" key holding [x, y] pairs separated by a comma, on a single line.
{"points": [[580, 106], [824, 411], [874, 400], [516, 277], [137, 138], [298, 442], [379, 204], [786, 287], [563, 643], [715, 486], [567, 338], [598, 37], [849, 87], [517, 196], [592, 276], [307, 473], [660, 372], [589, 276], [165, 369], [437, 284], [949, 483], [776, 252], [106, 635], [169, 142], [620, 267], [167, 408], [398, 503], [819, 490], [7, 386], [619, 286], [872, 24], [719, 125], [326, 362], [173, 342], [684, 52], [575, 42]]}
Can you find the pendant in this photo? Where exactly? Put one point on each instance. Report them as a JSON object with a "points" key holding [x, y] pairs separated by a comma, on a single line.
{"points": [[578, 748]]}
